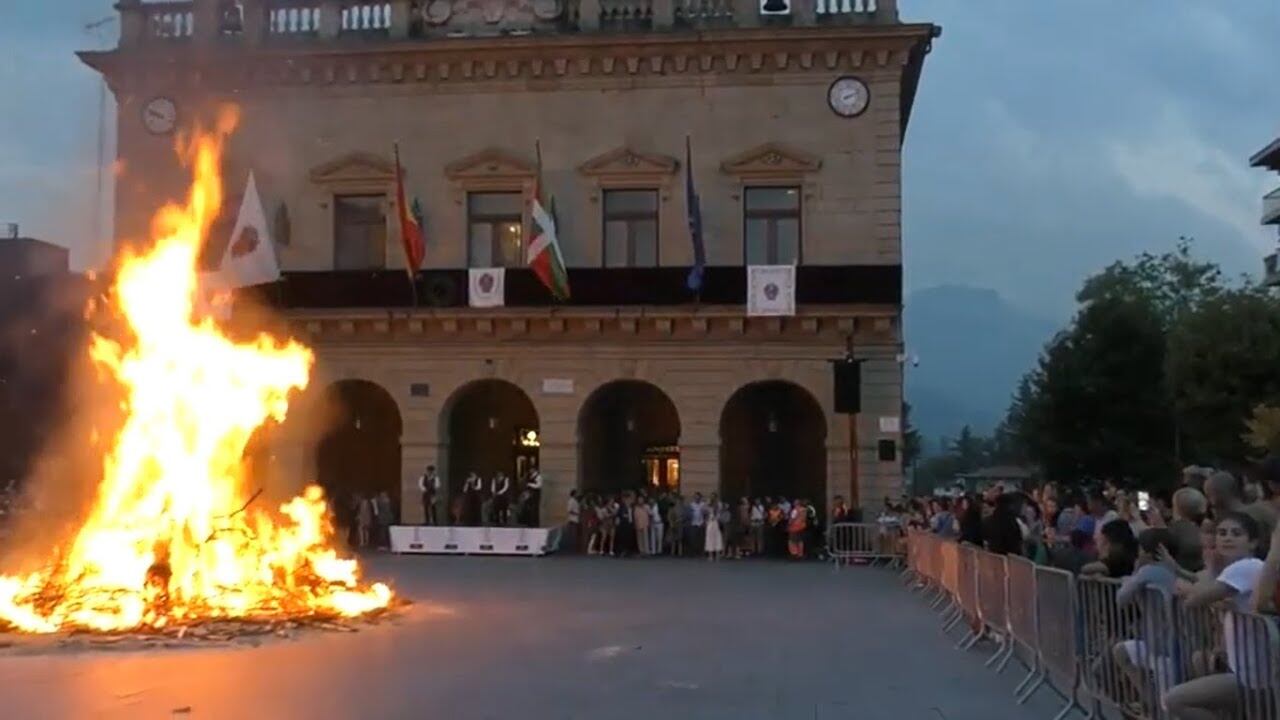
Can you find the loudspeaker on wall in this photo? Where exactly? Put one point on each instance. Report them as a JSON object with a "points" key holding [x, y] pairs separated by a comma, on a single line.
{"points": [[848, 386]]}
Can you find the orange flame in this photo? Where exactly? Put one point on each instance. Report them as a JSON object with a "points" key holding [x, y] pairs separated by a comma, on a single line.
{"points": [[169, 539]]}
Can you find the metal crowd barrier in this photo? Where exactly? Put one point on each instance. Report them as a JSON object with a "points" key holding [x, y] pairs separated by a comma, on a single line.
{"points": [[1104, 657], [847, 542], [993, 604]]}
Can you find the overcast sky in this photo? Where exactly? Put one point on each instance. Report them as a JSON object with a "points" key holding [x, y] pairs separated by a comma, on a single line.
{"points": [[1048, 138]]}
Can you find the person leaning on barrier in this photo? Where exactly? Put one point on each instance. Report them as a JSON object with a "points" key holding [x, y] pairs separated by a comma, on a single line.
{"points": [[1239, 571], [970, 513], [1001, 531], [1117, 551], [1073, 555], [1267, 595], [1154, 652]]}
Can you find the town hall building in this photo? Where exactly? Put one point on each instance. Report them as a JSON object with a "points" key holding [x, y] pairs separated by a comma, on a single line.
{"points": [[786, 117]]}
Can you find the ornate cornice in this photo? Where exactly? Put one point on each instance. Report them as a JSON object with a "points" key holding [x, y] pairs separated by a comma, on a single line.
{"points": [[354, 167], [868, 324], [771, 161], [625, 163], [657, 58], [488, 165]]}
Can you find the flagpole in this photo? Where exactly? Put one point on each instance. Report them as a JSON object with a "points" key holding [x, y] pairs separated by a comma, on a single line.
{"points": [[401, 213]]}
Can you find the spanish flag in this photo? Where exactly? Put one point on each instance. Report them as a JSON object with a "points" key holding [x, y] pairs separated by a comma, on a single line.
{"points": [[411, 238]]}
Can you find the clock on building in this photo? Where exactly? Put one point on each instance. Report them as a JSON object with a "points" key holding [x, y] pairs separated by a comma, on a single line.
{"points": [[848, 96], [160, 116]]}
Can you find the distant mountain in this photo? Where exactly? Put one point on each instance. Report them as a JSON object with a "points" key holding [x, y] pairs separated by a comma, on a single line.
{"points": [[973, 347]]}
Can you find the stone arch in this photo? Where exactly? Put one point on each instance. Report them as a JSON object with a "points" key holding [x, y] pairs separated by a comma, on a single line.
{"points": [[359, 453], [628, 438], [773, 442], [487, 426]]}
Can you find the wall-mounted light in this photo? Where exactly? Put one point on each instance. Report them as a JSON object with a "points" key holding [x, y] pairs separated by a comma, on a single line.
{"points": [[493, 423], [357, 422]]}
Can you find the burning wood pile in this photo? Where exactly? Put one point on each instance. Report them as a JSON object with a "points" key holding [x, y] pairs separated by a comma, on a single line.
{"points": [[174, 549]]}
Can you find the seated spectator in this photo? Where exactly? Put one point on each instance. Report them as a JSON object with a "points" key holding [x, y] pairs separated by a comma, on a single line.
{"points": [[1117, 551], [1213, 695]]}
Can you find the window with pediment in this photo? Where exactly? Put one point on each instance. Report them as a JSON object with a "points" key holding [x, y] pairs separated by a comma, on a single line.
{"points": [[630, 187], [773, 180]]}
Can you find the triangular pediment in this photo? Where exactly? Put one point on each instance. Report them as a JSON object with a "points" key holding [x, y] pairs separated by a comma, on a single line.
{"points": [[487, 164], [624, 162], [771, 159], [355, 167]]}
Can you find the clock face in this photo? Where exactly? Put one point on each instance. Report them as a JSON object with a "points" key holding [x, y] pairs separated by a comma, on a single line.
{"points": [[848, 97], [160, 116]]}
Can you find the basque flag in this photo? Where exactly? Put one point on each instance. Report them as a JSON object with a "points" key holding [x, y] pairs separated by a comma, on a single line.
{"points": [[694, 208]]}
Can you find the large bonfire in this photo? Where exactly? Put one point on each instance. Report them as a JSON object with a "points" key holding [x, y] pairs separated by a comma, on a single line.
{"points": [[172, 537]]}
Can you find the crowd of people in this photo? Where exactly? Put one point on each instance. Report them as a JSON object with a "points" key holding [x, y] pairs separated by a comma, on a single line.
{"points": [[1213, 541], [648, 524]]}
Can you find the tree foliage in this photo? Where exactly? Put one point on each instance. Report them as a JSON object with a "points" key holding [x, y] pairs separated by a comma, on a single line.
{"points": [[1263, 430], [1163, 363]]}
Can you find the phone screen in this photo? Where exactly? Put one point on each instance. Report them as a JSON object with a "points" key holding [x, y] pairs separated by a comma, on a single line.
{"points": [[1144, 501]]}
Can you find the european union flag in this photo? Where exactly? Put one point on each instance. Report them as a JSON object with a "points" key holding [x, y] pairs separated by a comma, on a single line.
{"points": [[694, 208]]}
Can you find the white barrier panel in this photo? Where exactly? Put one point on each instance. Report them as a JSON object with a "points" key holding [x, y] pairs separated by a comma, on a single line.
{"points": [[473, 540]]}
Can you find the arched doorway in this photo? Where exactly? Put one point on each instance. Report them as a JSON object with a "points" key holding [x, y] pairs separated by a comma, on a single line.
{"points": [[629, 438], [492, 426], [360, 453], [773, 442]]}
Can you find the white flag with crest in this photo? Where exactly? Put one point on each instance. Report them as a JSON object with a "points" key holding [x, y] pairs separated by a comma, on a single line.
{"points": [[771, 290], [487, 287], [250, 257]]}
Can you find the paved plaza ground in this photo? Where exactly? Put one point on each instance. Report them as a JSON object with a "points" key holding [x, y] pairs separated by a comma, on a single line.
{"points": [[565, 638]]}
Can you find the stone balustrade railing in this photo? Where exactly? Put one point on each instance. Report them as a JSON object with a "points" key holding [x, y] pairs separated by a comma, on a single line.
{"points": [[256, 21]]}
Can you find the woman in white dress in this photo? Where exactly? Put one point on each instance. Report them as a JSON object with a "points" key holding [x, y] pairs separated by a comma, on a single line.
{"points": [[714, 544], [655, 528]]}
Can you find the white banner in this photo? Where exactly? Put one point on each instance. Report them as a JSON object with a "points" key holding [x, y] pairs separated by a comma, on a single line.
{"points": [[488, 287], [771, 290], [473, 541]]}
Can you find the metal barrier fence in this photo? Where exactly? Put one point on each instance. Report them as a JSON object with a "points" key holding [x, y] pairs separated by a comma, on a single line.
{"points": [[1140, 653], [869, 542]]}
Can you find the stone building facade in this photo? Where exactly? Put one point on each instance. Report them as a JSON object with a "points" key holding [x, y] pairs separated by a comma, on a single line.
{"points": [[635, 380]]}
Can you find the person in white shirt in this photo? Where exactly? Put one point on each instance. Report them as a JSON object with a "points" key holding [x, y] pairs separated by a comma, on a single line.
{"points": [[429, 486], [696, 528], [757, 527], [655, 527], [500, 488], [472, 489], [1211, 696], [534, 486]]}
